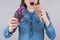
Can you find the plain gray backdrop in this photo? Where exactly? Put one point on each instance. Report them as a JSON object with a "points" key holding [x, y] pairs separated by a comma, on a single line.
{"points": [[8, 8]]}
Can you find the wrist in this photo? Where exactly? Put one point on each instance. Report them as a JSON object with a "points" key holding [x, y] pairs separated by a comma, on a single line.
{"points": [[47, 22], [10, 30]]}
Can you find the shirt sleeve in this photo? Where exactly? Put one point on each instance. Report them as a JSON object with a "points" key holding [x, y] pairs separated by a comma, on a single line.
{"points": [[7, 34], [50, 31]]}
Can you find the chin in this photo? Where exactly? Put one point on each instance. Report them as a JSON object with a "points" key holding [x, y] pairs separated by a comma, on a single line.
{"points": [[31, 6]]}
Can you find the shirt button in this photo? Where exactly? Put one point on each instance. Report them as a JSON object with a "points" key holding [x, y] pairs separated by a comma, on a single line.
{"points": [[30, 32], [30, 26], [30, 38], [31, 20]]}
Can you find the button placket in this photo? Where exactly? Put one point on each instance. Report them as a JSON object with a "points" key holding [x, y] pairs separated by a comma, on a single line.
{"points": [[31, 30], [30, 38]]}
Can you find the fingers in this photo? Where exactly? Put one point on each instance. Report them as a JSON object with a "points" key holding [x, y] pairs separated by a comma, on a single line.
{"points": [[13, 25], [13, 22], [13, 19], [41, 12], [38, 9]]}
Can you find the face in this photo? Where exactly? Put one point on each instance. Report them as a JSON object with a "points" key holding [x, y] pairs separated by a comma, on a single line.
{"points": [[31, 3]]}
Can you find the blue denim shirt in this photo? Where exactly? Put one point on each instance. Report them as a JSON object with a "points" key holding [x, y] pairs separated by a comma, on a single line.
{"points": [[31, 28]]}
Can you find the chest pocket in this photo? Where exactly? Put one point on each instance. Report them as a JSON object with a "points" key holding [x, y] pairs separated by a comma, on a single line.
{"points": [[24, 25], [26, 17]]}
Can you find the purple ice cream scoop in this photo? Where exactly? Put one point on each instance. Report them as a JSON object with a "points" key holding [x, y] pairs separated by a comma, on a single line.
{"points": [[19, 13]]}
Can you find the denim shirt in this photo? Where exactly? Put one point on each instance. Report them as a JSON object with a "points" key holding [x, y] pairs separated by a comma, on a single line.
{"points": [[31, 28]]}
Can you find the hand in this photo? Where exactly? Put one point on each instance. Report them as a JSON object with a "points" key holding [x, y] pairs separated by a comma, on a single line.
{"points": [[13, 22], [42, 15]]}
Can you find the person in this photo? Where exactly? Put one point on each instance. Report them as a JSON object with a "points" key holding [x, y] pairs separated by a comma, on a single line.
{"points": [[32, 23]]}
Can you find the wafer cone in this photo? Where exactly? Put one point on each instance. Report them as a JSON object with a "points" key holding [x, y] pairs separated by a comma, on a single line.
{"points": [[36, 8]]}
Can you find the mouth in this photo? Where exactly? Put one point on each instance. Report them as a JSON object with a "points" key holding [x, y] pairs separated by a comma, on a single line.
{"points": [[31, 3]]}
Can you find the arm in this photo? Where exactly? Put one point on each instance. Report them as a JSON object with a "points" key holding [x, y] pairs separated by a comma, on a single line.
{"points": [[50, 29], [13, 23]]}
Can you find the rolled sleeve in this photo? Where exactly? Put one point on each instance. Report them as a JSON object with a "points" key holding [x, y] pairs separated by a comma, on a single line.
{"points": [[7, 34], [50, 31]]}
